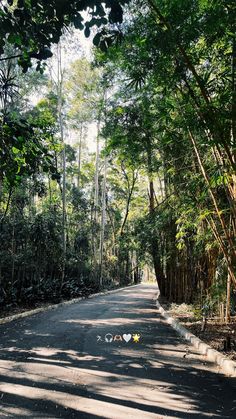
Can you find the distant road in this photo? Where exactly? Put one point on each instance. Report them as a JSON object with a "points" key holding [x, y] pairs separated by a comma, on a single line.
{"points": [[56, 364]]}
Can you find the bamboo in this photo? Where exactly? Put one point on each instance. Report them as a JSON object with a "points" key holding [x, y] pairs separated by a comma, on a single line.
{"points": [[212, 195]]}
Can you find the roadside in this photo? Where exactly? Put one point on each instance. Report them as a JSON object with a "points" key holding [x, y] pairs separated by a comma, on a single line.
{"points": [[12, 310], [53, 365], [18, 309], [12, 313], [216, 334]]}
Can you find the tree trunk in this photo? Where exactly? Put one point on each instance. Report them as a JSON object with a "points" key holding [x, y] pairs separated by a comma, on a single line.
{"points": [[160, 277], [80, 151], [103, 223], [227, 310], [96, 205], [61, 124]]}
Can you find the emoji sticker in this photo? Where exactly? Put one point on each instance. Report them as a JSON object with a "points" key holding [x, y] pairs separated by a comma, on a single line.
{"points": [[118, 338], [127, 337], [136, 337], [109, 337]]}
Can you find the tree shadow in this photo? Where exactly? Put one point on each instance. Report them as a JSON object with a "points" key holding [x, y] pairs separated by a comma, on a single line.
{"points": [[51, 365]]}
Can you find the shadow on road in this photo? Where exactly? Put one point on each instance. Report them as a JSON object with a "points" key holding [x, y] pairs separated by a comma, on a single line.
{"points": [[51, 365]]}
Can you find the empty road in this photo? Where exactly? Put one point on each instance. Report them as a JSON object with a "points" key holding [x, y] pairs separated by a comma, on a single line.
{"points": [[57, 364]]}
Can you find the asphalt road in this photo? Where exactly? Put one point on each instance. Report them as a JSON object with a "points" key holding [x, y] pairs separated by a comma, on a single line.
{"points": [[54, 365]]}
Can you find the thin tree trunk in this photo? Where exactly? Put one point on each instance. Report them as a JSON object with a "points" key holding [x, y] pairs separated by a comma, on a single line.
{"points": [[7, 206], [103, 223], [96, 198], [227, 311], [80, 151], [13, 251], [214, 200], [160, 277], [96, 192], [213, 227], [130, 188], [61, 124], [233, 128]]}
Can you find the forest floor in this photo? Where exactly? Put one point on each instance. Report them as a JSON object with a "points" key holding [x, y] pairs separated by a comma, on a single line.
{"points": [[215, 334]]}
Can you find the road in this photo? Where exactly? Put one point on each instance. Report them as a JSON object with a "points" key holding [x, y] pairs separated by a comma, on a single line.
{"points": [[54, 365]]}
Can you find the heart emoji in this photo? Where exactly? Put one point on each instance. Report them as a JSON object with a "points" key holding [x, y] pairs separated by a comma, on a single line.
{"points": [[127, 337]]}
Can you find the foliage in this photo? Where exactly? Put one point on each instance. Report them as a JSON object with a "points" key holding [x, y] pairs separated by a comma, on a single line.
{"points": [[162, 192], [32, 27], [171, 114]]}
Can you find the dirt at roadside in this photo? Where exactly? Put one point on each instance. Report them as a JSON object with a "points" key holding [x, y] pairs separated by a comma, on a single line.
{"points": [[19, 309], [11, 311], [216, 334]]}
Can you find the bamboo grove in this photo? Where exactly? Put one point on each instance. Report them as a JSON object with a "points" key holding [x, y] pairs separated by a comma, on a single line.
{"points": [[158, 192]]}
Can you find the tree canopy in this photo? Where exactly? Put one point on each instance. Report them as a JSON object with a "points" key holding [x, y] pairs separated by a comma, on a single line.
{"points": [[32, 27], [121, 167]]}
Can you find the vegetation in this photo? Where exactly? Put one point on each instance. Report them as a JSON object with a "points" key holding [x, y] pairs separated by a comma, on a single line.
{"points": [[160, 191]]}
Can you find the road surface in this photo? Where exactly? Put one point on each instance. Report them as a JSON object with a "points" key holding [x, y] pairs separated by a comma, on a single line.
{"points": [[57, 364]]}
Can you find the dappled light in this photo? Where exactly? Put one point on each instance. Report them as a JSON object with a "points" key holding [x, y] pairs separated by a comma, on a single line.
{"points": [[69, 373], [117, 209]]}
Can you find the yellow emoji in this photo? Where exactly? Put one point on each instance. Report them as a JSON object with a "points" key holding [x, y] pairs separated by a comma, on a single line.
{"points": [[136, 337]]}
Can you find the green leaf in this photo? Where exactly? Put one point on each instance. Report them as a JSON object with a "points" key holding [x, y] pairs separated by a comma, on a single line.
{"points": [[15, 150], [14, 39]]}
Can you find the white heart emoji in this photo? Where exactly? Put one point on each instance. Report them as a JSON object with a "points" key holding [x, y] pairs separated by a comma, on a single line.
{"points": [[127, 337]]}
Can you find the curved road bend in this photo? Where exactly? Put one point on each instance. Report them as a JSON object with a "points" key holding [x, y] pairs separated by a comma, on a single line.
{"points": [[54, 365]]}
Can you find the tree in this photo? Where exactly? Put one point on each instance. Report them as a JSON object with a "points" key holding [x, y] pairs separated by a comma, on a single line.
{"points": [[165, 63], [33, 27]]}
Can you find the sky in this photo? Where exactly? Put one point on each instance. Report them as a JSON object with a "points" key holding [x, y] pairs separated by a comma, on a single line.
{"points": [[86, 51], [74, 46]]}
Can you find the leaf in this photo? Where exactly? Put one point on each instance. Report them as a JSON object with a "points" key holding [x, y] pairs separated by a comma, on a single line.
{"points": [[96, 39], [87, 32], [15, 150], [45, 53], [14, 38], [78, 22]]}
